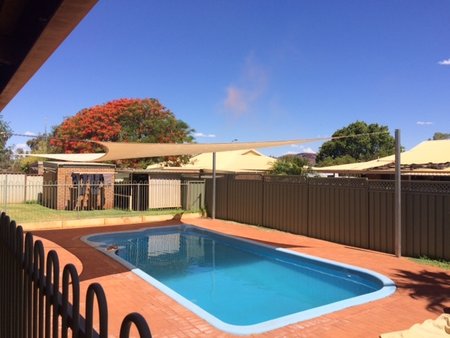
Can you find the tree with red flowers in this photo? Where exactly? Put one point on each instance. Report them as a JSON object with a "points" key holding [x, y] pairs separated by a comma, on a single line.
{"points": [[123, 120]]}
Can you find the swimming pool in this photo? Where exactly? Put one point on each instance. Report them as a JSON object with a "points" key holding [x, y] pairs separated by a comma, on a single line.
{"points": [[240, 286]]}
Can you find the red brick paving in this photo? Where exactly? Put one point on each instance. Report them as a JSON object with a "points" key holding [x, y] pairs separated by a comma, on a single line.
{"points": [[422, 291]]}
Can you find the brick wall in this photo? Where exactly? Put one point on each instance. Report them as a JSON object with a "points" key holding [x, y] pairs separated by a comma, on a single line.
{"points": [[70, 198], [60, 193]]}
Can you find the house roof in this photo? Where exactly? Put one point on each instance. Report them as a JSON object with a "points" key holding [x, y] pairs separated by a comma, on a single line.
{"points": [[245, 160], [78, 164], [428, 157], [30, 32]]}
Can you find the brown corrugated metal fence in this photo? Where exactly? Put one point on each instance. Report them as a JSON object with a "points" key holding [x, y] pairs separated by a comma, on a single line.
{"points": [[285, 204], [357, 212]]}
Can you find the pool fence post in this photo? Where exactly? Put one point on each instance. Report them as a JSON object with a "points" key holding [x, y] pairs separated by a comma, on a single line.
{"points": [[398, 196], [213, 211]]}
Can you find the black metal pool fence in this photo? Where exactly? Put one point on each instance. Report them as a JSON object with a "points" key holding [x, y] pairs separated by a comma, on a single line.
{"points": [[32, 303]]}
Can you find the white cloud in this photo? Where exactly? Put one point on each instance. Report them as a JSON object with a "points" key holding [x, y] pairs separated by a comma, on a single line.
{"points": [[30, 133], [424, 123], [303, 149], [445, 62], [309, 150], [290, 153], [23, 146], [250, 87], [204, 135]]}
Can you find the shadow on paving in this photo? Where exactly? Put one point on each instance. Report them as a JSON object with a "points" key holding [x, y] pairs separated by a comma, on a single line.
{"points": [[95, 263], [429, 285]]}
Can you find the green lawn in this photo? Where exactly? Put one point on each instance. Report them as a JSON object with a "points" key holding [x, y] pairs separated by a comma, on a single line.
{"points": [[25, 213], [440, 263]]}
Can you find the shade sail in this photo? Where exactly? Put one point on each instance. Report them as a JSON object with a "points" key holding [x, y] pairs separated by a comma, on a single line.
{"points": [[420, 157], [436, 151], [126, 151], [70, 157]]}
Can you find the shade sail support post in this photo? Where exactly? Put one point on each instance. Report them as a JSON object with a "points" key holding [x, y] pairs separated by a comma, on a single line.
{"points": [[213, 207], [398, 196]]}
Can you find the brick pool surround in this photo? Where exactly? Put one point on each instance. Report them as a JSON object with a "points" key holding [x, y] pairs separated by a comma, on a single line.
{"points": [[423, 290]]}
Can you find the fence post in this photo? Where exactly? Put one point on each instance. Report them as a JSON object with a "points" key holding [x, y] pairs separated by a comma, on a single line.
{"points": [[138, 197], [5, 194], [25, 190]]}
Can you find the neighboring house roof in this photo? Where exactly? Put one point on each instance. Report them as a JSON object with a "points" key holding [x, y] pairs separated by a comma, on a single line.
{"points": [[428, 157], [248, 160]]}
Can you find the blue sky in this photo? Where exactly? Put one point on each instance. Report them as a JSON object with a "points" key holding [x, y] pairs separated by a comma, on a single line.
{"points": [[254, 70]]}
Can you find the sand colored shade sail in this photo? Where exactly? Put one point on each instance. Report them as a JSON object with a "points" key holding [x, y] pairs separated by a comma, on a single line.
{"points": [[418, 158], [125, 151], [121, 151], [70, 157]]}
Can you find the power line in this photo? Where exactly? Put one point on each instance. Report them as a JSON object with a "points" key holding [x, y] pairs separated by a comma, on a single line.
{"points": [[47, 136], [359, 135], [234, 140]]}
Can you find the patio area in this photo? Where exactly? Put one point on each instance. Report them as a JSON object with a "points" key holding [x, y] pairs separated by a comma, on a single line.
{"points": [[422, 291]]}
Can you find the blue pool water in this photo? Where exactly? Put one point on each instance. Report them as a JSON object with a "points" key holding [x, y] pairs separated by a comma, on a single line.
{"points": [[237, 285]]}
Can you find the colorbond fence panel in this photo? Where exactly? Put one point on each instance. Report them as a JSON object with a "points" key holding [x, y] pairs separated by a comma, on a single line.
{"points": [[221, 196], [338, 210], [426, 219], [381, 218], [245, 199], [357, 212], [285, 204], [20, 188]]}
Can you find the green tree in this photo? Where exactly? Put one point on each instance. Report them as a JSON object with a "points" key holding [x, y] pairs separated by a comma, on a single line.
{"points": [[374, 141], [290, 165], [40, 144], [5, 151], [328, 161], [123, 120], [441, 136]]}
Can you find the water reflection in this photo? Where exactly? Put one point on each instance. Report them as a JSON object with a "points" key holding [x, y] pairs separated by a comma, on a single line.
{"points": [[172, 255]]}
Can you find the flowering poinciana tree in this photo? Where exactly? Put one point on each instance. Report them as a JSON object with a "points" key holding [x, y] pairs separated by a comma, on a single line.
{"points": [[123, 120]]}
